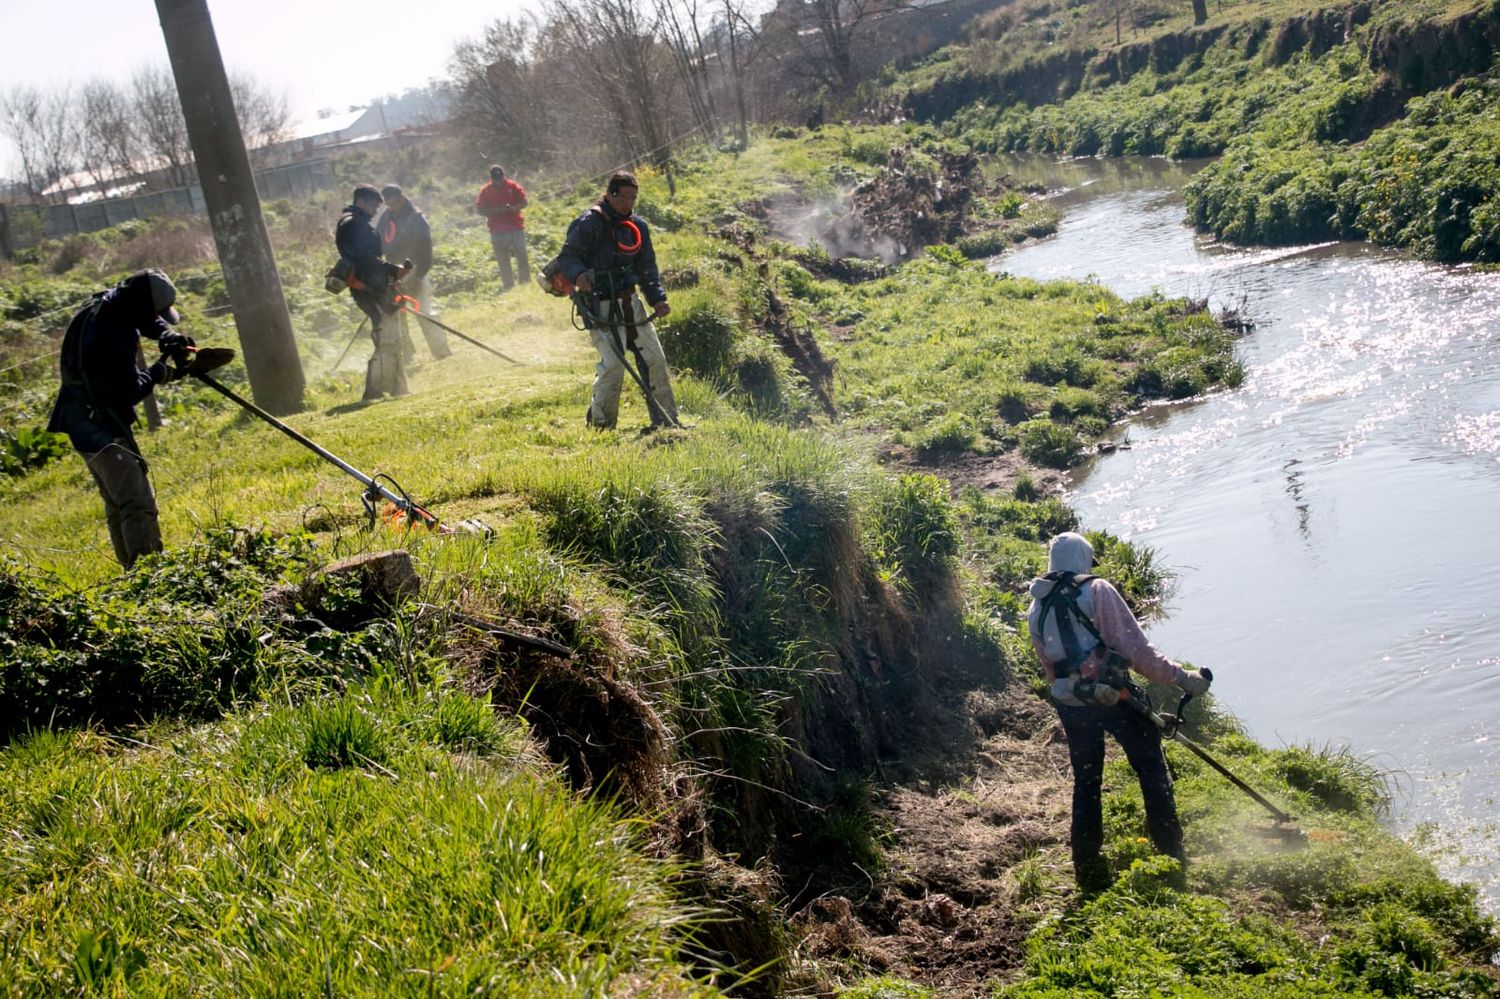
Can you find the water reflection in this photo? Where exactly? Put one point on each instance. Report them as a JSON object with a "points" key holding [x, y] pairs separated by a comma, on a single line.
{"points": [[1372, 403]]}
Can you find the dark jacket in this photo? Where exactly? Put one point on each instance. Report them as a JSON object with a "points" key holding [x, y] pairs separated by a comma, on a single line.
{"points": [[101, 378], [358, 243], [405, 234], [591, 245]]}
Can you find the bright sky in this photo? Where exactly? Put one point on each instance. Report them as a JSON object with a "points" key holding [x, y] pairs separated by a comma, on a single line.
{"points": [[305, 47]]}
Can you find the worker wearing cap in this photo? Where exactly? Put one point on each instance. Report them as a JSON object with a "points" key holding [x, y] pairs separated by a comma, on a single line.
{"points": [[405, 235], [103, 379], [373, 288]]}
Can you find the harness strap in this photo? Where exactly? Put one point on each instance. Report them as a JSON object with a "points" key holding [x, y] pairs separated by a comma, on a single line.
{"points": [[1062, 604]]}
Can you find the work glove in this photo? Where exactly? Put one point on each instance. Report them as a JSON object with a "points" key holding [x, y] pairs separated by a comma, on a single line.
{"points": [[176, 346], [1193, 682], [161, 372]]}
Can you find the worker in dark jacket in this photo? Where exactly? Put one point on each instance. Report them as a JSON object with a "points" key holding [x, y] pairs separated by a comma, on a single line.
{"points": [[102, 380], [372, 283], [608, 256], [405, 235]]}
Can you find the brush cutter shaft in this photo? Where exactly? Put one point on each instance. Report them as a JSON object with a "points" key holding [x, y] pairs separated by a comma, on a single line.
{"points": [[372, 487], [1169, 727], [462, 336], [350, 345], [1276, 813]]}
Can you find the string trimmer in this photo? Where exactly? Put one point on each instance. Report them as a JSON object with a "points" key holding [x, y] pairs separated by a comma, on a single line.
{"points": [[402, 302], [206, 359], [1170, 725]]}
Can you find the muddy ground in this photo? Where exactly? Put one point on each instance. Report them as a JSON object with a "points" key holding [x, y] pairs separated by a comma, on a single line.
{"points": [[948, 911]]}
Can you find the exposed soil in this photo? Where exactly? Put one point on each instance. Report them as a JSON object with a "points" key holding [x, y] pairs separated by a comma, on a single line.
{"points": [[985, 472], [802, 347], [946, 912]]}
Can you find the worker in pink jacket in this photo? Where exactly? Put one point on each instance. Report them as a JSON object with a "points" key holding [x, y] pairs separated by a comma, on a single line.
{"points": [[1087, 640]]}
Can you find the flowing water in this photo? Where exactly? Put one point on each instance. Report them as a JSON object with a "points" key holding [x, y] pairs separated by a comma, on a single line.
{"points": [[1332, 521]]}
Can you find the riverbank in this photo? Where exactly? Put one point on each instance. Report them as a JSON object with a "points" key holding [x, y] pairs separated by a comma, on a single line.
{"points": [[1361, 434], [1370, 120], [790, 670]]}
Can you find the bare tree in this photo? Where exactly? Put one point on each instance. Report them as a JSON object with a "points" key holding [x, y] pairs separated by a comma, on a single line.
{"points": [[740, 43], [20, 121], [158, 115], [108, 147], [502, 99], [612, 50], [1200, 11], [43, 126], [679, 20], [263, 113], [823, 33]]}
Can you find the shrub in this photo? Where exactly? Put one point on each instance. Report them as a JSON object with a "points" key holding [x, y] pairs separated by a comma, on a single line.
{"points": [[979, 245], [1045, 443], [1334, 776], [28, 448], [913, 526], [465, 724], [1068, 368], [699, 337], [1016, 402], [952, 434]]}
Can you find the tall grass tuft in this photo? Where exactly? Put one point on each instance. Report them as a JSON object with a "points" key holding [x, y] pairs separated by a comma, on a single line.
{"points": [[213, 859], [341, 735]]}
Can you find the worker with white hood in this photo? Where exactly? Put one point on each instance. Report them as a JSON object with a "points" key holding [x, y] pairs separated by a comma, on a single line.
{"points": [[1088, 641]]}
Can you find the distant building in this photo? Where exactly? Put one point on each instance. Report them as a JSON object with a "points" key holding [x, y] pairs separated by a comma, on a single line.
{"points": [[416, 113]]}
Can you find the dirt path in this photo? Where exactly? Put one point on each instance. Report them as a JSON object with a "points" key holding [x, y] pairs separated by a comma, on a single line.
{"points": [[953, 908]]}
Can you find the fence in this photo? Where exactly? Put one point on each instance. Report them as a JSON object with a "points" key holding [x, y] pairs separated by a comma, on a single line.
{"points": [[22, 226]]}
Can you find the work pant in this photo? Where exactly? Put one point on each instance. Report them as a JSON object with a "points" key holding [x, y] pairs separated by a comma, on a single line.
{"points": [[622, 324], [507, 245], [1085, 728], [129, 503], [437, 339], [386, 371]]}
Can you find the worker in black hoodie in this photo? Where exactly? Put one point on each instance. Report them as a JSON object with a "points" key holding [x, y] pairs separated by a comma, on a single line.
{"points": [[102, 380], [404, 233], [372, 283]]}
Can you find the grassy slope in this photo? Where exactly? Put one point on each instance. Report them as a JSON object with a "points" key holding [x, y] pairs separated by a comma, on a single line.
{"points": [[279, 839], [1300, 160]]}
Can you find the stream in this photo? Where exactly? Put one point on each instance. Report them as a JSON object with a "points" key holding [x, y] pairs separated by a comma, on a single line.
{"points": [[1330, 522]]}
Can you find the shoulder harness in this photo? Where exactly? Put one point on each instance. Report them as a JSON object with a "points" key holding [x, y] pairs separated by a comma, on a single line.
{"points": [[1062, 603]]}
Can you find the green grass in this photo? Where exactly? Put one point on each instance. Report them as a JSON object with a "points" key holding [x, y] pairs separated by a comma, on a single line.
{"points": [[946, 357], [309, 797], [217, 859], [1315, 144]]}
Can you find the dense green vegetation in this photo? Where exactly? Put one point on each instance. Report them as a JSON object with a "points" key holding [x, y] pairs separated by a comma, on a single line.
{"points": [[324, 792], [1343, 912], [1390, 134]]}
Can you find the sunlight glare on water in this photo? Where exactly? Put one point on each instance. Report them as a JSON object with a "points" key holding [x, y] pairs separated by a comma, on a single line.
{"points": [[1331, 521]]}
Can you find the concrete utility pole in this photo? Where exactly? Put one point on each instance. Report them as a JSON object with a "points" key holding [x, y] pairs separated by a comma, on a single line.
{"points": [[260, 314]]}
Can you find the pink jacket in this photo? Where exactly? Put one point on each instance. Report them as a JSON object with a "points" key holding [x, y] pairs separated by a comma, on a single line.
{"points": [[1117, 625]]}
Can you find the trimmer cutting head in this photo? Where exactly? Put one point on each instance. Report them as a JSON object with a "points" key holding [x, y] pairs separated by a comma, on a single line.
{"points": [[1285, 832], [206, 359]]}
